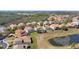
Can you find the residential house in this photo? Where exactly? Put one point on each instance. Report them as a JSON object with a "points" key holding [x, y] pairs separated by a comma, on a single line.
{"points": [[71, 24], [76, 20], [56, 18], [28, 29], [54, 26], [21, 24], [22, 42], [13, 26]]}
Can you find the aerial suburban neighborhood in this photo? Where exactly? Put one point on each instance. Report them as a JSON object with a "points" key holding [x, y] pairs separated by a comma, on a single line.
{"points": [[39, 29]]}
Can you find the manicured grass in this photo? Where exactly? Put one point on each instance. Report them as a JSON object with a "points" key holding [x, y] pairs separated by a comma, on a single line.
{"points": [[34, 44]]}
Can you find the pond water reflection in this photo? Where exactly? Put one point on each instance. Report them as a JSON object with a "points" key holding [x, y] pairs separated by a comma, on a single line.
{"points": [[65, 41]]}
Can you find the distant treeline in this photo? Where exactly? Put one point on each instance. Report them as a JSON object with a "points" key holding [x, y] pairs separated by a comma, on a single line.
{"points": [[7, 17]]}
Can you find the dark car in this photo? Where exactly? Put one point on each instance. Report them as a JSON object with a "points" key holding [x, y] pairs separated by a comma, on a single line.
{"points": [[41, 31]]}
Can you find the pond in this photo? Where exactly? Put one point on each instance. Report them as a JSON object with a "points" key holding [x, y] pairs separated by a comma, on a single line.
{"points": [[64, 41]]}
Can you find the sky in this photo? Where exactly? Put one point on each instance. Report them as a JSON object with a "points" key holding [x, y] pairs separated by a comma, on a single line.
{"points": [[39, 4]]}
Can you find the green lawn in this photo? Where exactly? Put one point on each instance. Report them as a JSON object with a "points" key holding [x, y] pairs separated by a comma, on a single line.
{"points": [[34, 44]]}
